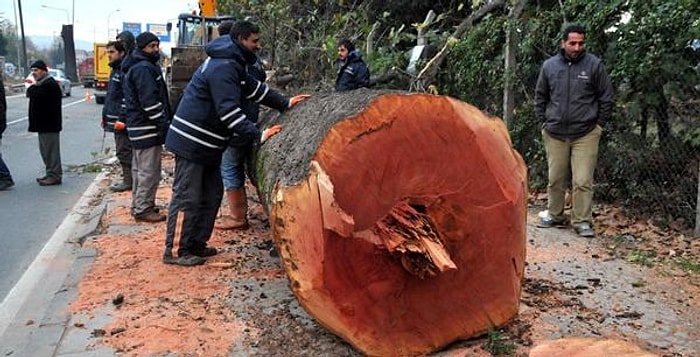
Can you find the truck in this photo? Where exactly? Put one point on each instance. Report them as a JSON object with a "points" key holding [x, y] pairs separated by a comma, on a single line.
{"points": [[101, 72], [194, 32], [86, 72]]}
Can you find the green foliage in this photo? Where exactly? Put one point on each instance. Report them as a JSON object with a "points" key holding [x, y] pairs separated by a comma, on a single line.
{"points": [[688, 264], [8, 42], [384, 59], [642, 258], [639, 283], [527, 140], [302, 35], [648, 160], [476, 67], [499, 344]]}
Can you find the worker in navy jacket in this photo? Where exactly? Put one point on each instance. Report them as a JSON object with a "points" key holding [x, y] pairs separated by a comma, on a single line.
{"points": [[147, 118], [112, 117], [352, 70], [209, 118]]}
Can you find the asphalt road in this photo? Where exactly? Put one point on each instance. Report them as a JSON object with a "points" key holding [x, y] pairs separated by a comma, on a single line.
{"points": [[29, 213]]}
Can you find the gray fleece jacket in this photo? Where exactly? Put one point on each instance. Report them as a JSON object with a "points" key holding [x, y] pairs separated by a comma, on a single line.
{"points": [[572, 96]]}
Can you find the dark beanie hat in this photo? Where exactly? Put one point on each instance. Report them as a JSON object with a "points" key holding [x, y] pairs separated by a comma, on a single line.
{"points": [[145, 38], [39, 64], [127, 38]]}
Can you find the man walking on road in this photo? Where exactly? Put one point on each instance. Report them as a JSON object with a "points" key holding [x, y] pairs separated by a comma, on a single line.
{"points": [[147, 118], [574, 101], [112, 120], [5, 177], [45, 118]]}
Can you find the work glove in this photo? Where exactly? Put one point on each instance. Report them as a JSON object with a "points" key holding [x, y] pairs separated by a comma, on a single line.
{"points": [[119, 125], [293, 101], [269, 132]]}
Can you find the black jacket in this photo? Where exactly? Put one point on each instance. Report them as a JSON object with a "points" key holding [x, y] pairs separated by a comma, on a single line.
{"points": [[146, 99], [112, 109], [211, 112], [352, 73], [572, 96], [3, 108], [45, 106]]}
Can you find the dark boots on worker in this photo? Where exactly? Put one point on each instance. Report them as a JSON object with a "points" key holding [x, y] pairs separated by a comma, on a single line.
{"points": [[127, 181]]}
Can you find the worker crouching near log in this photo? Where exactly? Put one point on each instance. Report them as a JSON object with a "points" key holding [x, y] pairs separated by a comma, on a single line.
{"points": [[209, 117]]}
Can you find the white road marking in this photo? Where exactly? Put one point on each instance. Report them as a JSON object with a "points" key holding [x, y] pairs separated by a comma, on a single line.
{"points": [[26, 117]]}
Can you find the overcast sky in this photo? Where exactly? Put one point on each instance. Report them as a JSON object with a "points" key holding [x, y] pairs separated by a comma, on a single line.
{"points": [[91, 16]]}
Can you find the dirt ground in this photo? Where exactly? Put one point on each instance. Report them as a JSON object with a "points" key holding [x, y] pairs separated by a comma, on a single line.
{"points": [[633, 283]]}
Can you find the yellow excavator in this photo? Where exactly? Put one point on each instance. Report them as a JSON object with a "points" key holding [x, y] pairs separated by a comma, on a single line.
{"points": [[194, 32]]}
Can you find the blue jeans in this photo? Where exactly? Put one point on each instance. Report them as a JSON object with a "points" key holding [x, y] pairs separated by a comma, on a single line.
{"points": [[4, 171], [233, 167]]}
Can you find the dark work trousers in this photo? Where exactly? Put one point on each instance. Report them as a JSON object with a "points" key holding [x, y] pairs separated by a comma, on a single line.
{"points": [[50, 150], [123, 144], [4, 171], [197, 193]]}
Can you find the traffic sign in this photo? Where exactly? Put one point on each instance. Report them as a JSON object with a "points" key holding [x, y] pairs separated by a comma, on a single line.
{"points": [[160, 30], [133, 27]]}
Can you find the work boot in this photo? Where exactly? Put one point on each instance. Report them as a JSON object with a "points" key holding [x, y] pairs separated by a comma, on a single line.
{"points": [[188, 260], [168, 256], [49, 181], [127, 181], [238, 211], [204, 252], [5, 184], [150, 216]]}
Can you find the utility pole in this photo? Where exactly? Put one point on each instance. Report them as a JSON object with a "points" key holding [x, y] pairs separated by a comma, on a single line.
{"points": [[24, 41]]}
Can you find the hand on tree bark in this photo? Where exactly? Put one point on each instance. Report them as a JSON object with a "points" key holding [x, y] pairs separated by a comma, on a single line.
{"points": [[293, 101], [269, 132]]}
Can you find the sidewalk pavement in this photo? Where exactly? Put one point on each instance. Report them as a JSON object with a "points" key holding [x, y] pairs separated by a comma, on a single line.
{"points": [[34, 319], [237, 304]]}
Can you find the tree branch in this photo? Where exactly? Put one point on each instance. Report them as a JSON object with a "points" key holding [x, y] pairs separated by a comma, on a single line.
{"points": [[429, 72]]}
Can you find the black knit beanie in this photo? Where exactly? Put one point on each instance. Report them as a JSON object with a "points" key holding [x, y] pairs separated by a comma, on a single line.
{"points": [[39, 64], [127, 38], [145, 38]]}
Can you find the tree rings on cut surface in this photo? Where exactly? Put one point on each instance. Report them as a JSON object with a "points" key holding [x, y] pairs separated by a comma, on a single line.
{"points": [[400, 218]]}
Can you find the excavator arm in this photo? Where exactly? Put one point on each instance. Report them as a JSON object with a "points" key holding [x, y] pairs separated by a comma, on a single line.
{"points": [[207, 8]]}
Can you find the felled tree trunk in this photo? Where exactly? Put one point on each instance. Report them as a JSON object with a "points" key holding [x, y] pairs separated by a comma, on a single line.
{"points": [[399, 218]]}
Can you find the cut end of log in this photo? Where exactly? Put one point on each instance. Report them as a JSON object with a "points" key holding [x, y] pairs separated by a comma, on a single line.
{"points": [[397, 200], [413, 236]]}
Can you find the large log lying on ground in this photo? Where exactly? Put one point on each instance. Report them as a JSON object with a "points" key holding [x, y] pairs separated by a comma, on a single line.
{"points": [[399, 218]]}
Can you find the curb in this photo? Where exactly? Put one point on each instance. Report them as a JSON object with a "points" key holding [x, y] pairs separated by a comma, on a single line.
{"points": [[31, 303]]}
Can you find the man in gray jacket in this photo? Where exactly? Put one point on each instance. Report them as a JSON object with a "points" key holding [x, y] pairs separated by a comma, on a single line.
{"points": [[574, 100]]}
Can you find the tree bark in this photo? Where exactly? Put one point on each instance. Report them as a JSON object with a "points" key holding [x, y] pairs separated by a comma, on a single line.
{"points": [[399, 218], [697, 210], [69, 53], [369, 49], [510, 64]]}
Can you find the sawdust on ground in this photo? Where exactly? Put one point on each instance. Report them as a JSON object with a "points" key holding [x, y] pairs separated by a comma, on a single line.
{"points": [[239, 303]]}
